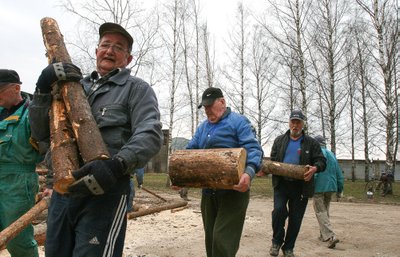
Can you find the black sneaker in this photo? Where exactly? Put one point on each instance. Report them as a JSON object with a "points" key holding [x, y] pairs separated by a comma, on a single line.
{"points": [[274, 250], [288, 253]]}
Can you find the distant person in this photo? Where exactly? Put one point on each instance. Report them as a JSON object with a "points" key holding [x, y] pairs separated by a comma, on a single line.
{"points": [[18, 158], [224, 211], [291, 195], [327, 184], [139, 174]]}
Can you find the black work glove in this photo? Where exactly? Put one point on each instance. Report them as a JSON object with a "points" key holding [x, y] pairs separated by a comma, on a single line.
{"points": [[96, 177], [59, 71]]}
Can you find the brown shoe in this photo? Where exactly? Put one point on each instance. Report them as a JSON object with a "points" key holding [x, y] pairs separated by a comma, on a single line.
{"points": [[332, 242]]}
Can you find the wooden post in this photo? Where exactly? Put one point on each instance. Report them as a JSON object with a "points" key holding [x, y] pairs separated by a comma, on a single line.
{"points": [[211, 168], [220, 168], [17, 226], [69, 100]]}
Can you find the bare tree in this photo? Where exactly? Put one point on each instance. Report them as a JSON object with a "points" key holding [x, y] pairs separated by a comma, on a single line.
{"points": [[262, 72], [384, 20], [292, 20], [327, 56], [141, 24], [235, 71]]}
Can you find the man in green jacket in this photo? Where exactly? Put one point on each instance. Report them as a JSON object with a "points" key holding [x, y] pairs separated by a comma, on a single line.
{"points": [[18, 158], [327, 183]]}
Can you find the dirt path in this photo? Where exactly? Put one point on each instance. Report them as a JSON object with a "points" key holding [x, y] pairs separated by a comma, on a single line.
{"points": [[364, 230]]}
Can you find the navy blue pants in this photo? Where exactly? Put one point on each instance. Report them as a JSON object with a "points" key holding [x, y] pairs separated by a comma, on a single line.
{"points": [[288, 203], [92, 226]]}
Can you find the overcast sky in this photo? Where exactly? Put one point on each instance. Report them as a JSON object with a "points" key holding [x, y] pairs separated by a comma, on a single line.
{"points": [[21, 41]]}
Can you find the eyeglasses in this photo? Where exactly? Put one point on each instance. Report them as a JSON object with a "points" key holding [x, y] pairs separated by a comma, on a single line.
{"points": [[115, 48]]}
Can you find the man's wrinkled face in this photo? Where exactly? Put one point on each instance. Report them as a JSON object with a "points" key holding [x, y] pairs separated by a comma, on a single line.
{"points": [[215, 111], [296, 128], [112, 52], [9, 95]]}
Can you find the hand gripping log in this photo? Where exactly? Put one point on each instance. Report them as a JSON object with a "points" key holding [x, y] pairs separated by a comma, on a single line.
{"points": [[73, 130], [220, 168]]}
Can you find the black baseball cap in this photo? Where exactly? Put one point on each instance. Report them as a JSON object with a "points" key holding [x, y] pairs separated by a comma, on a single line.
{"points": [[297, 115], [321, 140], [110, 27], [9, 76], [209, 96]]}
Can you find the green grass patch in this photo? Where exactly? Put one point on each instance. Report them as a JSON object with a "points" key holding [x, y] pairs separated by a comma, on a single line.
{"points": [[262, 187]]}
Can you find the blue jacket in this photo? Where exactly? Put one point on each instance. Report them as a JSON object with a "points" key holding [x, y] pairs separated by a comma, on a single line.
{"points": [[232, 131], [331, 180]]}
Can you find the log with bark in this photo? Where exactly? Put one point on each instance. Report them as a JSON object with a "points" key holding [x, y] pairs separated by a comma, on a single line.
{"points": [[159, 208], [17, 226], [284, 169], [72, 125], [211, 168], [220, 168]]}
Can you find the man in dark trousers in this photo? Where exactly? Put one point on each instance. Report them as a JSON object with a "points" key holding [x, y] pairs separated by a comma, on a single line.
{"points": [[291, 195], [224, 211], [90, 221]]}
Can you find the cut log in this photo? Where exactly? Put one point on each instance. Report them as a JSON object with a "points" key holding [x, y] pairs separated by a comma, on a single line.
{"points": [[284, 169], [209, 168], [152, 193], [220, 168], [64, 151], [17, 226], [81, 122], [159, 208]]}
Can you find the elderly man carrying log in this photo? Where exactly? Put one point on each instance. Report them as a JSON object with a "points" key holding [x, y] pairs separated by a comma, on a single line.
{"points": [[291, 195], [90, 219], [224, 210]]}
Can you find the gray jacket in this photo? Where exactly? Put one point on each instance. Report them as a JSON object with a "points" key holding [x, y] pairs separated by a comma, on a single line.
{"points": [[126, 111]]}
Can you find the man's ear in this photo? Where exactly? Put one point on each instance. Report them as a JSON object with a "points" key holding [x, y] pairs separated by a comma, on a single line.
{"points": [[130, 58]]}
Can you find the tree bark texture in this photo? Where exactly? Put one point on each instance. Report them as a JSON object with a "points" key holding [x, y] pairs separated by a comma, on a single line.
{"points": [[159, 208], [220, 168], [69, 100], [284, 169], [17, 226], [209, 168]]}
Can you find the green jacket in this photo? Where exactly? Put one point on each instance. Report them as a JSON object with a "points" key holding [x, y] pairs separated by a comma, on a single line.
{"points": [[16, 152]]}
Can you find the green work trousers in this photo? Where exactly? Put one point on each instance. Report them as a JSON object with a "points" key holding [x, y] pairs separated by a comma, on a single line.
{"points": [[223, 214], [17, 196]]}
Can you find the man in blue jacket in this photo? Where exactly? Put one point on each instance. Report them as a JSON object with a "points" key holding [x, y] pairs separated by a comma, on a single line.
{"points": [[18, 179], [327, 184], [224, 211], [291, 195]]}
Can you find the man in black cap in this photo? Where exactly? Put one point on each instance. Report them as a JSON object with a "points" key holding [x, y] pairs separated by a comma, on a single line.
{"points": [[291, 195], [224, 211], [18, 158], [90, 220]]}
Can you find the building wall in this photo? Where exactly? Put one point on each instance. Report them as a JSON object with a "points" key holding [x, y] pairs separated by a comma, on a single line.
{"points": [[159, 163], [375, 168]]}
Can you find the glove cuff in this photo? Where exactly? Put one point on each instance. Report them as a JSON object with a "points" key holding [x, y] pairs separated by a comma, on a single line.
{"points": [[120, 166]]}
